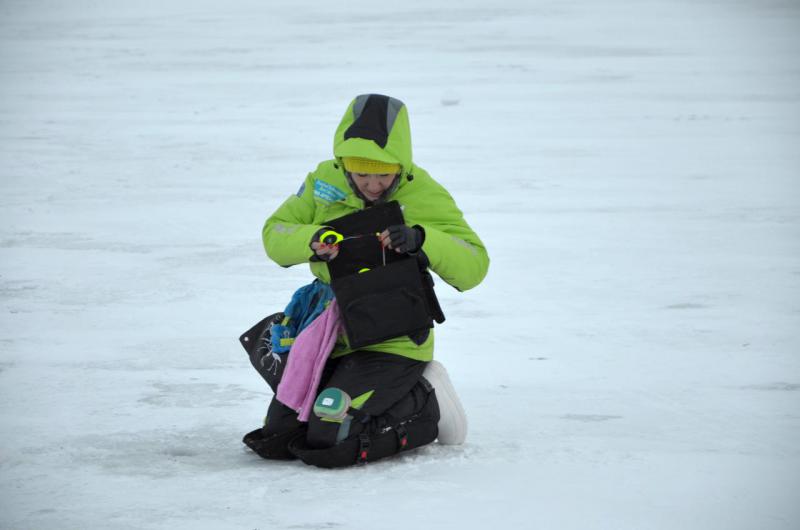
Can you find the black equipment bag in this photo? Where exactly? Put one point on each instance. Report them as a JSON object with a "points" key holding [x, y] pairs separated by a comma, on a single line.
{"points": [[257, 342], [364, 250], [383, 303], [381, 294], [375, 443]]}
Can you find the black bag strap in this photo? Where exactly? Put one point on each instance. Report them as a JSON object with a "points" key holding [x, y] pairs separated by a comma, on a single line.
{"points": [[364, 444], [427, 284], [402, 437]]}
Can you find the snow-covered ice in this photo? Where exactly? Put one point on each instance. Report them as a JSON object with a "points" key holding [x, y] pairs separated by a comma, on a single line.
{"points": [[630, 362]]}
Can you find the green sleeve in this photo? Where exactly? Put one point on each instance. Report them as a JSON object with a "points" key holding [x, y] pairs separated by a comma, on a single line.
{"points": [[455, 251], [288, 232]]}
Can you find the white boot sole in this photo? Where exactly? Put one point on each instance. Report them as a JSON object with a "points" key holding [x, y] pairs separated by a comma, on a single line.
{"points": [[453, 422]]}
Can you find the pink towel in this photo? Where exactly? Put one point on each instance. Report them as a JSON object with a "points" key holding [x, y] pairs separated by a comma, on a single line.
{"points": [[298, 387]]}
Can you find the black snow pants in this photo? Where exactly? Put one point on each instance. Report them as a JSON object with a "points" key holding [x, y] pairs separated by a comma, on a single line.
{"points": [[397, 407], [380, 380]]}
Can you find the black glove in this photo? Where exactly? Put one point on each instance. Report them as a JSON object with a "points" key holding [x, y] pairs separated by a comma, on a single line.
{"points": [[404, 238]]}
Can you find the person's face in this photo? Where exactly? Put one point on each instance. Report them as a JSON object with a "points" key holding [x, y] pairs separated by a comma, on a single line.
{"points": [[372, 185]]}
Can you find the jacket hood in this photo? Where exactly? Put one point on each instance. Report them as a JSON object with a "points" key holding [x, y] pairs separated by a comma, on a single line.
{"points": [[375, 127]]}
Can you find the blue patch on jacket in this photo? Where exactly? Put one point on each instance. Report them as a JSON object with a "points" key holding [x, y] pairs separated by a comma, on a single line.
{"points": [[327, 192]]}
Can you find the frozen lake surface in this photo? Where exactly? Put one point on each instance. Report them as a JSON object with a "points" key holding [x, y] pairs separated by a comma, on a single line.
{"points": [[631, 361]]}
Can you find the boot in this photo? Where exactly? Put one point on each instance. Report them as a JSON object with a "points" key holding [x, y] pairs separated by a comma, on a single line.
{"points": [[453, 419], [274, 446]]}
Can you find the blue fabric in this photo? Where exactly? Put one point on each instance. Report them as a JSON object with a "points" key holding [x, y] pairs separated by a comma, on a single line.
{"points": [[307, 303]]}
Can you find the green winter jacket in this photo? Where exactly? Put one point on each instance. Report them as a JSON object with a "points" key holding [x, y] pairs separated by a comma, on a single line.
{"points": [[455, 252]]}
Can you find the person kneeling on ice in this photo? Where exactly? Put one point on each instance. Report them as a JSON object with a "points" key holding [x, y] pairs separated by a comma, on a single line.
{"points": [[351, 358]]}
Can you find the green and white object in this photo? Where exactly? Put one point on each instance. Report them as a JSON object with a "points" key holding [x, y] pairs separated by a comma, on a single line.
{"points": [[332, 404]]}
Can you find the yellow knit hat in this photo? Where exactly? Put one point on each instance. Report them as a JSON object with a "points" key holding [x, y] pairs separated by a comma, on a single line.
{"points": [[367, 166]]}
